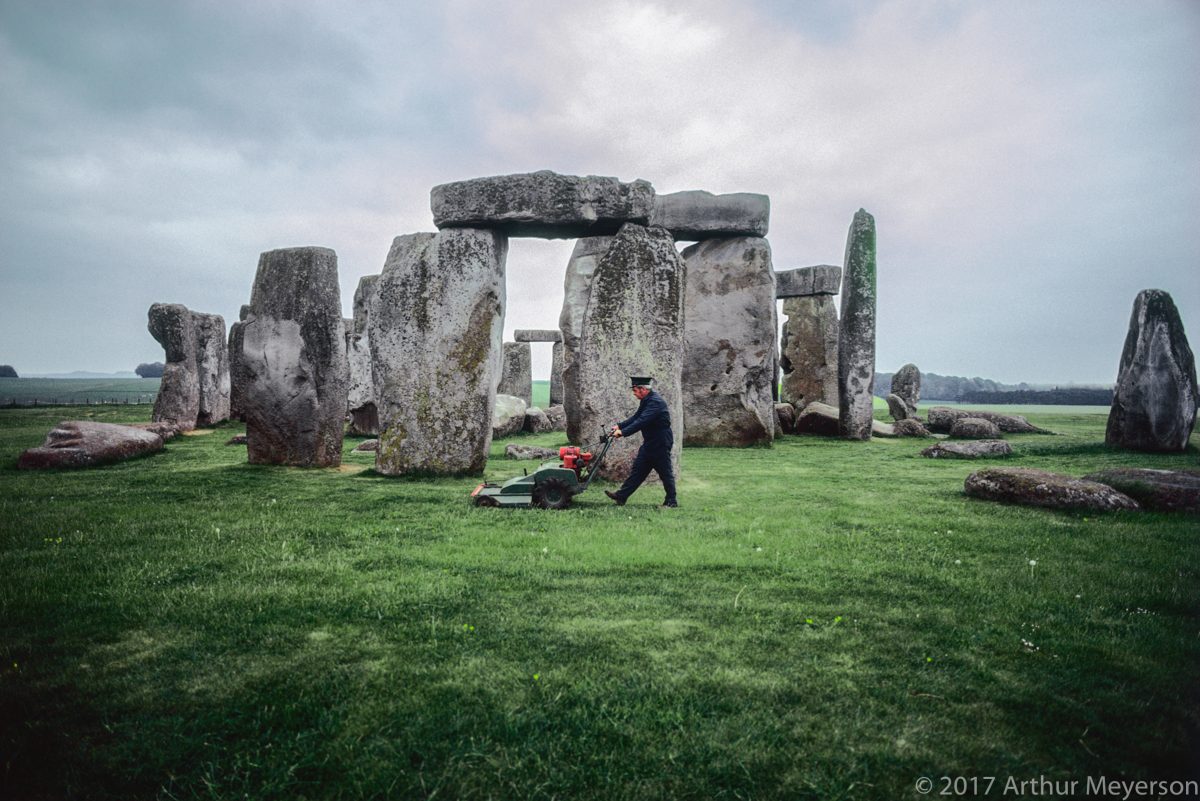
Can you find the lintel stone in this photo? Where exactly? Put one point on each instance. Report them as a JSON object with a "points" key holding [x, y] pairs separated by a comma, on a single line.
{"points": [[537, 335], [820, 279]]}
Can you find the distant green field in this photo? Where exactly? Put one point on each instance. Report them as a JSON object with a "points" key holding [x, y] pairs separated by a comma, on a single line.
{"points": [[50, 391]]}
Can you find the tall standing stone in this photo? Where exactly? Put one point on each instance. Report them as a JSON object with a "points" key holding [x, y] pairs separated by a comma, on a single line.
{"points": [[856, 343], [516, 371], [436, 325], [178, 400], [809, 350], [292, 367], [212, 368], [577, 288], [556, 378], [364, 415], [1154, 402], [235, 352], [906, 384], [633, 325], [729, 343]]}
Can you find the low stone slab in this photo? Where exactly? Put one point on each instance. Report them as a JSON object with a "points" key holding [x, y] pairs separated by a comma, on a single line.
{"points": [[1158, 490], [508, 416], [974, 428], [1028, 487], [367, 446], [911, 427], [977, 449], [543, 204], [817, 418], [537, 335], [696, 214], [941, 419], [802, 282], [83, 443], [236, 439], [882, 429], [515, 451], [536, 421]]}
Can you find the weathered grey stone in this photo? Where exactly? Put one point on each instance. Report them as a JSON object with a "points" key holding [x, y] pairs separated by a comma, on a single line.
{"points": [[1157, 490], [785, 418], [910, 427], [974, 449], [537, 335], [542, 204], [212, 368], [178, 400], [729, 343], [577, 288], [906, 385], [508, 416], [557, 415], [367, 446], [941, 419], [84, 443], [803, 282], [1029, 487], [633, 325], [235, 353], [168, 431], [856, 342], [817, 418], [364, 415], [882, 429], [808, 353], [514, 450], [435, 326], [974, 428], [536, 421], [292, 363], [897, 408], [556, 378], [1154, 402], [516, 371], [696, 214]]}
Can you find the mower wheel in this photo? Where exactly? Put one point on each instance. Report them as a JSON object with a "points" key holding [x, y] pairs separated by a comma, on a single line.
{"points": [[553, 493], [486, 501]]}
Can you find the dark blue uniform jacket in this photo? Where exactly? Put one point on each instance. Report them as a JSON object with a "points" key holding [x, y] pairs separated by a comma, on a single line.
{"points": [[653, 419]]}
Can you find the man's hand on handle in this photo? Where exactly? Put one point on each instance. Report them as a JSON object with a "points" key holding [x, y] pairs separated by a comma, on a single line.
{"points": [[616, 432]]}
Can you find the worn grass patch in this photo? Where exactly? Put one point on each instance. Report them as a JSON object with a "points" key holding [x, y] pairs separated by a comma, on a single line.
{"points": [[821, 619]]}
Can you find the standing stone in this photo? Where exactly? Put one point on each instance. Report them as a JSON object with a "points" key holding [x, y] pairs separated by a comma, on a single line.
{"points": [[898, 407], [542, 204], [556, 378], [178, 400], [906, 384], [435, 325], [729, 343], [577, 288], [292, 365], [856, 344], [212, 368], [1154, 403], [809, 351], [364, 415], [516, 371], [633, 325], [235, 352], [696, 215]]}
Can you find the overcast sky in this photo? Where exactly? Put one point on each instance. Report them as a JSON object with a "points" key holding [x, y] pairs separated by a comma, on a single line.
{"points": [[1031, 165]]}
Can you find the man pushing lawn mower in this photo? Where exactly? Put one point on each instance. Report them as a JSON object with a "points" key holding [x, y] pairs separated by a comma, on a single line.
{"points": [[653, 419]]}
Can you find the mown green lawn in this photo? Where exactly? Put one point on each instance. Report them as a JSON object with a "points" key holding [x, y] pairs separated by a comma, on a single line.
{"points": [[821, 619]]}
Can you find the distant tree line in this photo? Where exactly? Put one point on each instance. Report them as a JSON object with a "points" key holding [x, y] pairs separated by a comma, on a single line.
{"points": [[1071, 396], [151, 370], [947, 387], [7, 371]]}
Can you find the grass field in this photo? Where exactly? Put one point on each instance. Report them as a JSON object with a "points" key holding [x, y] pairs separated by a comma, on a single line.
{"points": [[819, 620], [24, 391]]}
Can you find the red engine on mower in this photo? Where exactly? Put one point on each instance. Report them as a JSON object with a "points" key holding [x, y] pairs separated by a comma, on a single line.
{"points": [[574, 458]]}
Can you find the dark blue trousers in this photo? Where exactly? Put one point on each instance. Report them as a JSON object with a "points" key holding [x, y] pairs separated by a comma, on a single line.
{"points": [[657, 459]]}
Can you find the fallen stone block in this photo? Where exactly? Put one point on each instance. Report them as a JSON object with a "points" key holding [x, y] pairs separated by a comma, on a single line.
{"points": [[1028, 487], [941, 420], [975, 449], [974, 428], [83, 443], [1158, 490]]}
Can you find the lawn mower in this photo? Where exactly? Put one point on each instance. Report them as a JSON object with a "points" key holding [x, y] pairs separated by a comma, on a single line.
{"points": [[552, 485]]}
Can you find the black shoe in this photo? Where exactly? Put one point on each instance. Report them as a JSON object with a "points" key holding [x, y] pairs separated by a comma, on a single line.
{"points": [[616, 498], [670, 504]]}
